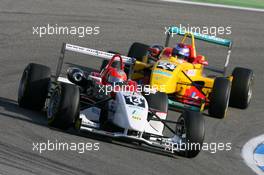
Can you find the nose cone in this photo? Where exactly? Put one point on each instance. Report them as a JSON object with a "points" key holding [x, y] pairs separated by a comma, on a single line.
{"points": [[160, 79], [162, 76], [136, 118], [131, 112]]}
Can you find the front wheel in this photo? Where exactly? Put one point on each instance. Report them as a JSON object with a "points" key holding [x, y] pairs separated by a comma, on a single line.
{"points": [[33, 87], [158, 101], [219, 97], [138, 51], [191, 130], [241, 91], [63, 107]]}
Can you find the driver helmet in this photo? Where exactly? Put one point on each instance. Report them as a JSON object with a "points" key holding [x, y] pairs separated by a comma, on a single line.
{"points": [[181, 51], [116, 77]]}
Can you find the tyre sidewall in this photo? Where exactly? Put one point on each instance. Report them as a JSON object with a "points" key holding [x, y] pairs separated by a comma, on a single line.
{"points": [[33, 87], [195, 131], [241, 85], [64, 114], [158, 101], [219, 97]]}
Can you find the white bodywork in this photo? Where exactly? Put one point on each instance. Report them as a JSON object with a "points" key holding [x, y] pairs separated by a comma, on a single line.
{"points": [[95, 53], [129, 110]]}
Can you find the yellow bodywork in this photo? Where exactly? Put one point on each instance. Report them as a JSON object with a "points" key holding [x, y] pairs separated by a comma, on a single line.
{"points": [[173, 81], [176, 80]]}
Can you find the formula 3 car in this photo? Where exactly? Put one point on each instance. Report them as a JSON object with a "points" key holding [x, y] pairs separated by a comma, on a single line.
{"points": [[80, 100], [184, 80]]}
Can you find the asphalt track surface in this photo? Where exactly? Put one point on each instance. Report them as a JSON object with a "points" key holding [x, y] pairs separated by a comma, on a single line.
{"points": [[121, 22]]}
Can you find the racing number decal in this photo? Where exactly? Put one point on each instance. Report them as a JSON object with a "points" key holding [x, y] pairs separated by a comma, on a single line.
{"points": [[166, 66], [137, 101]]}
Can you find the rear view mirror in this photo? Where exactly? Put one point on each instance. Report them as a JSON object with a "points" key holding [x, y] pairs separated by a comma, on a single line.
{"points": [[201, 60]]}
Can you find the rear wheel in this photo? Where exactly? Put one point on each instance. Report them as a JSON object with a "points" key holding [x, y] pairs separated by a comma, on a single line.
{"points": [[115, 64], [158, 107], [33, 87], [103, 65], [241, 91], [191, 129], [63, 108], [219, 97], [158, 101], [138, 51]]}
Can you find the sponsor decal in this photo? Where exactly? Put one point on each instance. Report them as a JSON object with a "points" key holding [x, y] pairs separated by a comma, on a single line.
{"points": [[191, 72], [135, 100], [166, 66], [162, 73], [136, 117]]}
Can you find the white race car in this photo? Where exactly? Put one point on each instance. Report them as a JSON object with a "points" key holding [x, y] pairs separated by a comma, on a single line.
{"points": [[76, 100]]}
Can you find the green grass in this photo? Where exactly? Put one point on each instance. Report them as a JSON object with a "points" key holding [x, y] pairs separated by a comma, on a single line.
{"points": [[242, 3]]}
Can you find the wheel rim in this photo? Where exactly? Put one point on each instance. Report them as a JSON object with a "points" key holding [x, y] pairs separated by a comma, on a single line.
{"points": [[180, 128], [249, 94]]}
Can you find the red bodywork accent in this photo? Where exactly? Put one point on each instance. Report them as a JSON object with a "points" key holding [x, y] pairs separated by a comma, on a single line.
{"points": [[110, 70], [167, 52], [154, 52], [199, 59], [193, 96], [192, 53]]}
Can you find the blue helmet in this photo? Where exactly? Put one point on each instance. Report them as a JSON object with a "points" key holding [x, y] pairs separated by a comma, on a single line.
{"points": [[181, 51]]}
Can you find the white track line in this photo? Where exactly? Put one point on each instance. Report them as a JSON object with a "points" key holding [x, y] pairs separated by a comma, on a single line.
{"points": [[248, 153], [215, 5]]}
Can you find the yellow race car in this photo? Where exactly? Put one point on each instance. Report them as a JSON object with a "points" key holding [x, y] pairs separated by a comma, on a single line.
{"points": [[179, 72]]}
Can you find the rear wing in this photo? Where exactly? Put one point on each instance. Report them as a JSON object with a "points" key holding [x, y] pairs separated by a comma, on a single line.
{"points": [[207, 38], [88, 51]]}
